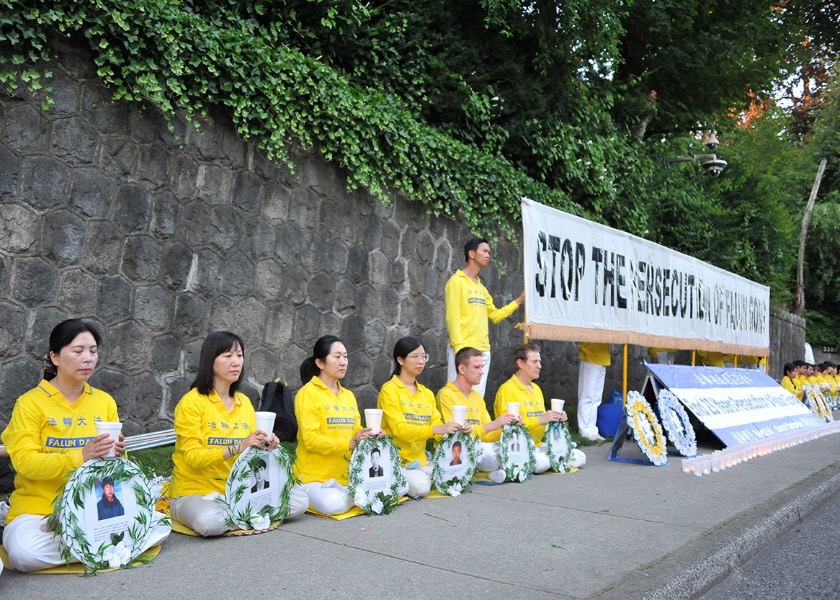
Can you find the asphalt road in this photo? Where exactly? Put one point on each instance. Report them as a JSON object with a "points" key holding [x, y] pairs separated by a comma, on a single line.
{"points": [[800, 565]]}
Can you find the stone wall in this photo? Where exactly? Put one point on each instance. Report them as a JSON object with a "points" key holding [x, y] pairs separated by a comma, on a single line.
{"points": [[162, 236], [787, 338]]}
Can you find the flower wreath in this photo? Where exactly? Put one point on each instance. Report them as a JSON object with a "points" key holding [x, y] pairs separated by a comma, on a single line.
{"points": [[454, 486], [833, 398], [559, 463], [516, 471], [677, 424], [68, 515], [375, 502], [650, 439], [817, 403], [239, 481]]}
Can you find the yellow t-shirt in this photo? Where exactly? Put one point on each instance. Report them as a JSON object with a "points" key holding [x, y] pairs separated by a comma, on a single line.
{"points": [[203, 429], [468, 306], [408, 417], [595, 353], [709, 359], [326, 423], [791, 386], [45, 437], [477, 415], [531, 404]]}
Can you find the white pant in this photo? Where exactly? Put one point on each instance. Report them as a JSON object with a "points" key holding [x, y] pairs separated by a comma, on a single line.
{"points": [[332, 500], [452, 372], [577, 459], [488, 456], [590, 392], [664, 358], [419, 481], [207, 517], [31, 547]]}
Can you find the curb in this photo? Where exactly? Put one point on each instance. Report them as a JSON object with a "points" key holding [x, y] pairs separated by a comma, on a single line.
{"points": [[699, 565]]}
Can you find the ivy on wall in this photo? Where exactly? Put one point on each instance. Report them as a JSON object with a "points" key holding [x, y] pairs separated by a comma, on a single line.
{"points": [[164, 53]]}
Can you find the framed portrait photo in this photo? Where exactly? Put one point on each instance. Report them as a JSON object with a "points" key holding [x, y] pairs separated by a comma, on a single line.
{"points": [[558, 446], [375, 475], [105, 513], [517, 452], [258, 489], [454, 464]]}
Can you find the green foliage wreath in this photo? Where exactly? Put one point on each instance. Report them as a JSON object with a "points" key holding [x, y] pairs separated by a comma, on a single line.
{"points": [[239, 481], [559, 462], [375, 503], [69, 508], [515, 471], [454, 486]]}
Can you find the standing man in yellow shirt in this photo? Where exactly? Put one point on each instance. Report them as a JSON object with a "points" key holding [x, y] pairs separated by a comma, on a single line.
{"points": [[594, 360], [468, 307]]}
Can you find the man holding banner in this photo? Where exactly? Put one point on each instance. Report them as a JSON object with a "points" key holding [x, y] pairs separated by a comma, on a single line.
{"points": [[468, 307]]}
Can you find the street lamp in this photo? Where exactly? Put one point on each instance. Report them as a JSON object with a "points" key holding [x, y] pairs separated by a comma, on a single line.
{"points": [[713, 165]]}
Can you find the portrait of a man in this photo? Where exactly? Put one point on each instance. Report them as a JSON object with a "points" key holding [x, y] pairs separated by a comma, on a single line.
{"points": [[456, 454], [109, 506], [258, 476], [376, 469]]}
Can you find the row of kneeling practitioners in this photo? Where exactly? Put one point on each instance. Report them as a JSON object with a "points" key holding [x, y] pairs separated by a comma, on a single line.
{"points": [[53, 436], [800, 376]]}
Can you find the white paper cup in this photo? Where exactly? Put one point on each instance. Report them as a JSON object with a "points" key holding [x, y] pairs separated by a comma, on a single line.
{"points": [[459, 414], [373, 419], [265, 421], [557, 404], [513, 408], [113, 429]]}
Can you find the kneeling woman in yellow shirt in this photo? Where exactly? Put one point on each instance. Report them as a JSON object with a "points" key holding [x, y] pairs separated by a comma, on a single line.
{"points": [[52, 432], [213, 424], [410, 414], [329, 428], [790, 383]]}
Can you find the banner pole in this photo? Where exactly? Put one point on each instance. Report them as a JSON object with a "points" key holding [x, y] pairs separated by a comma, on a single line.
{"points": [[625, 375]]}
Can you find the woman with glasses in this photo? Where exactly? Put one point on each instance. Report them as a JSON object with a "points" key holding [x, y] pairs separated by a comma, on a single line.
{"points": [[410, 414]]}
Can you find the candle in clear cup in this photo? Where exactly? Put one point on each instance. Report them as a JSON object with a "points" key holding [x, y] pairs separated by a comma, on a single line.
{"points": [[113, 429], [557, 404], [459, 414], [513, 408], [373, 419]]}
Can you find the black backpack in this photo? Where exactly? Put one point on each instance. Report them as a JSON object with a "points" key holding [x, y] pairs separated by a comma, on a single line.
{"points": [[277, 398]]}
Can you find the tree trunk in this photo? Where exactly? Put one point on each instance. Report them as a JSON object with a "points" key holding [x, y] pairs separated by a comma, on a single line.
{"points": [[799, 307]]}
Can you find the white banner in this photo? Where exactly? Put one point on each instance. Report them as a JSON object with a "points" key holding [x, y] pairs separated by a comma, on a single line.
{"points": [[589, 282]]}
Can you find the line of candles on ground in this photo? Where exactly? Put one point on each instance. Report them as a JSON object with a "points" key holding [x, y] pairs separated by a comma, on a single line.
{"points": [[729, 457]]}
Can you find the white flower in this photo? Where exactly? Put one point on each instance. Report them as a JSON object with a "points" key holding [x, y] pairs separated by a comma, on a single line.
{"points": [[156, 484], [261, 522], [455, 490], [360, 499], [377, 506], [116, 556]]}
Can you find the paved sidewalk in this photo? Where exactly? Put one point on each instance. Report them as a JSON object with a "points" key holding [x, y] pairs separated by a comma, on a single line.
{"points": [[612, 530]]}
